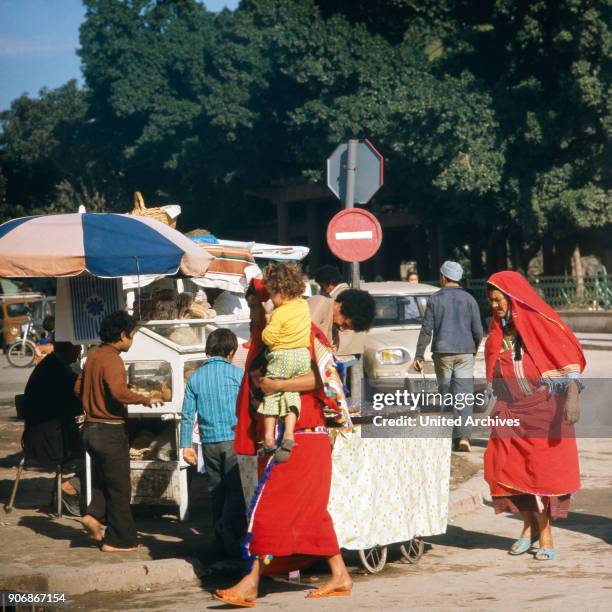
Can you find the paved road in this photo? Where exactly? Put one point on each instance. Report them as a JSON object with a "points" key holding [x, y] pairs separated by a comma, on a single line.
{"points": [[12, 380], [596, 341]]}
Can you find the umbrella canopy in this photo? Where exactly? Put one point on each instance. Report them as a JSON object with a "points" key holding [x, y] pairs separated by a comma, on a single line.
{"points": [[103, 244]]}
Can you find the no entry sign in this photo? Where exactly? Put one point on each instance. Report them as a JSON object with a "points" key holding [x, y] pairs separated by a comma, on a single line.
{"points": [[354, 235]]}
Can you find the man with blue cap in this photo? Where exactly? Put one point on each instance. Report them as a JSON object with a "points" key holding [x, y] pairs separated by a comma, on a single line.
{"points": [[453, 318]]}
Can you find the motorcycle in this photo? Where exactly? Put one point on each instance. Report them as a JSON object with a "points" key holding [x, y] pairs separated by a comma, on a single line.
{"points": [[22, 352]]}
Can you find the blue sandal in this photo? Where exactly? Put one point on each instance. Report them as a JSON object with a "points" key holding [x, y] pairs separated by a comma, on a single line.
{"points": [[550, 553], [522, 545]]}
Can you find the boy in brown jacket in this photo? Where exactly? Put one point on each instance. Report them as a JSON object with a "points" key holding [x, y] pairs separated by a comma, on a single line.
{"points": [[102, 388]]}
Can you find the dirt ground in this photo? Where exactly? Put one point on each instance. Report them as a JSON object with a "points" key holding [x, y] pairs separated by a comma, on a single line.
{"points": [[161, 535], [462, 469], [467, 568]]}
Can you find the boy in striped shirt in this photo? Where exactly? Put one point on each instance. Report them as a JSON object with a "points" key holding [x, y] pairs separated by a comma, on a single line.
{"points": [[211, 393]]}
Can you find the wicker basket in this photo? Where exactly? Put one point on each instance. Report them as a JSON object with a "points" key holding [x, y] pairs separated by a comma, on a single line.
{"points": [[159, 213]]}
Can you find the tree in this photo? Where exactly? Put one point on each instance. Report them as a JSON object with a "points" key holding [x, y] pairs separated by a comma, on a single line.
{"points": [[547, 67], [42, 143], [492, 116]]}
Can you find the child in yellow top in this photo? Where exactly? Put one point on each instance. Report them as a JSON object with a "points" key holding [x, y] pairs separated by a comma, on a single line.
{"points": [[287, 336]]}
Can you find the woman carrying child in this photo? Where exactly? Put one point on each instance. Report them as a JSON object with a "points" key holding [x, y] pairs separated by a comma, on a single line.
{"points": [[289, 526]]}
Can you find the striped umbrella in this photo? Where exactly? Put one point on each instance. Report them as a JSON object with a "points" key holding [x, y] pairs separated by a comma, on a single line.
{"points": [[103, 244]]}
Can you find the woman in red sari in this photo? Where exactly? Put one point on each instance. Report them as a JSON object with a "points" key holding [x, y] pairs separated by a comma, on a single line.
{"points": [[534, 362], [288, 522]]}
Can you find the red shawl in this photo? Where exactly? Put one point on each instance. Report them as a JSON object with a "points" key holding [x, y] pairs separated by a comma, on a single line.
{"points": [[246, 440], [553, 347], [246, 427]]}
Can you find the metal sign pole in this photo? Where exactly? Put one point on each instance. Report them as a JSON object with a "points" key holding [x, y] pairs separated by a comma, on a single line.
{"points": [[349, 201]]}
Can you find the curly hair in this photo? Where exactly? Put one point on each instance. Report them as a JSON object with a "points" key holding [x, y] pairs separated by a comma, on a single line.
{"points": [[286, 279], [359, 306]]}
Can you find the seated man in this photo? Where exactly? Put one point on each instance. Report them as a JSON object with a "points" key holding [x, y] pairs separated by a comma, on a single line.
{"points": [[51, 435]]}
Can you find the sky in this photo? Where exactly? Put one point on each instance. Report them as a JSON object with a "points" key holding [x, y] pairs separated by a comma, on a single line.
{"points": [[38, 42]]}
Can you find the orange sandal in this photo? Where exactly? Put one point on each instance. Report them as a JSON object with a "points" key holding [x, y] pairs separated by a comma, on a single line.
{"points": [[233, 599], [323, 592]]}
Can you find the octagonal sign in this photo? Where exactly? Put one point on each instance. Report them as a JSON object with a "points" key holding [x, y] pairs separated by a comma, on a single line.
{"points": [[368, 174]]}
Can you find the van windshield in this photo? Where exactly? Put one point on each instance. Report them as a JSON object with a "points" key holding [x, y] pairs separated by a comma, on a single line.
{"points": [[17, 309]]}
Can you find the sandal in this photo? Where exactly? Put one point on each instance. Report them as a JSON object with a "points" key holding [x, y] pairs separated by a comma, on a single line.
{"points": [[550, 553], [323, 592], [266, 451], [232, 598], [283, 452], [522, 545]]}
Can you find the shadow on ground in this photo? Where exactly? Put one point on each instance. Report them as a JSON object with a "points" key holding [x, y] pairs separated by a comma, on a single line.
{"points": [[582, 517], [464, 538], [11, 460], [53, 529], [583, 520], [32, 492]]}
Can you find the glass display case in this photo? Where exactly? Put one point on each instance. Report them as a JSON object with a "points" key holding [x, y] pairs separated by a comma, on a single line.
{"points": [[190, 367], [183, 332], [154, 377]]}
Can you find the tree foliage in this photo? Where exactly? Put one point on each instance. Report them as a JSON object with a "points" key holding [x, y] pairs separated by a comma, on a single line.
{"points": [[493, 116]]}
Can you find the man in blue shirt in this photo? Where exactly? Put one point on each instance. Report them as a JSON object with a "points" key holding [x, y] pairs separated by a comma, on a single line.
{"points": [[211, 393], [453, 317]]}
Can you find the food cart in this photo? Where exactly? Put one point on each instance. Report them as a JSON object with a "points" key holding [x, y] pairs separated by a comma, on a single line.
{"points": [[383, 491], [162, 356], [165, 353]]}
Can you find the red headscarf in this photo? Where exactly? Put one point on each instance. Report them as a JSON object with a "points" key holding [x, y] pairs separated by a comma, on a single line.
{"points": [[553, 347]]}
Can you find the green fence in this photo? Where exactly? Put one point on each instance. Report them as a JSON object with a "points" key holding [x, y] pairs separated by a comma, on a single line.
{"points": [[560, 291]]}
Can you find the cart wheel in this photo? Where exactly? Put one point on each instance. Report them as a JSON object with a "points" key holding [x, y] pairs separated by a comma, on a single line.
{"points": [[373, 559], [21, 354], [412, 550]]}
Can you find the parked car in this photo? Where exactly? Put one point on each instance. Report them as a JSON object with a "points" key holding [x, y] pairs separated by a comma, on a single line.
{"points": [[14, 310], [390, 345]]}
